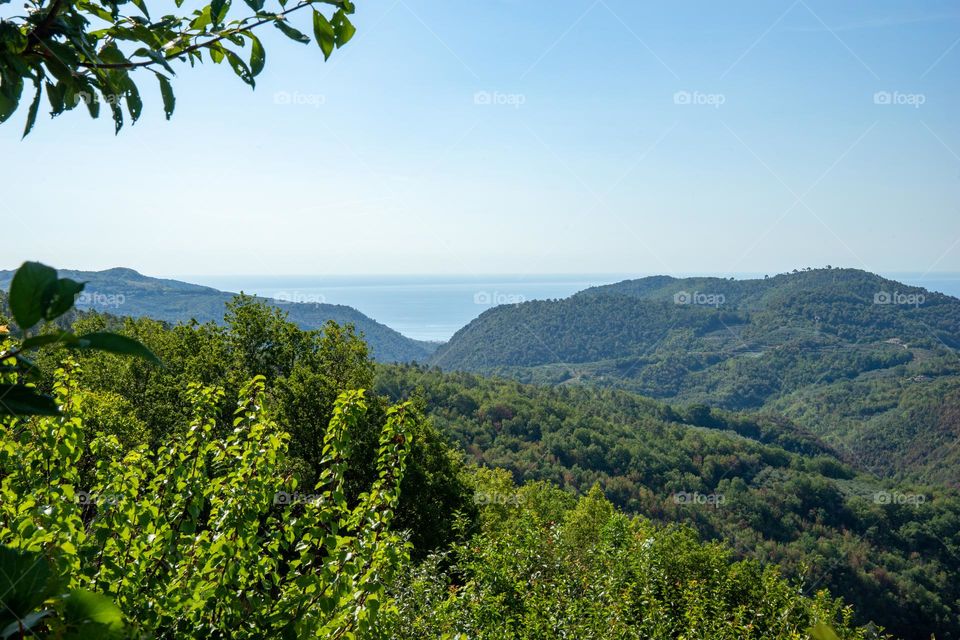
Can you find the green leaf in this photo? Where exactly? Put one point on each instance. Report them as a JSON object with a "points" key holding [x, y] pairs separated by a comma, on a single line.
{"points": [[25, 582], [240, 67], [258, 56], [134, 103], [59, 297], [46, 339], [343, 28], [218, 10], [140, 4], [290, 32], [91, 615], [821, 631], [157, 57], [34, 108], [55, 96], [27, 289], [19, 400], [216, 52], [10, 92], [324, 34], [166, 92], [114, 343]]}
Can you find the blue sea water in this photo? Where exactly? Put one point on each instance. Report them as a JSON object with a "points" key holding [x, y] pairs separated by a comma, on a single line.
{"points": [[435, 307]]}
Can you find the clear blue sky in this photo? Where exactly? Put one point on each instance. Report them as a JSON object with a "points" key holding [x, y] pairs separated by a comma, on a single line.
{"points": [[509, 136]]}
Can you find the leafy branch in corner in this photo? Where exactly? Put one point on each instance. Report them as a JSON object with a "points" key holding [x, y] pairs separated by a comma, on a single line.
{"points": [[86, 52]]}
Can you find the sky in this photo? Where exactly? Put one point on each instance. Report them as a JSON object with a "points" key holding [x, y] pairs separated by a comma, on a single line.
{"points": [[508, 136]]}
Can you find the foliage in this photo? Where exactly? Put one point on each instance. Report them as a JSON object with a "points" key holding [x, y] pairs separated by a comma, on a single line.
{"points": [[304, 373], [546, 568], [771, 492], [86, 51], [202, 538]]}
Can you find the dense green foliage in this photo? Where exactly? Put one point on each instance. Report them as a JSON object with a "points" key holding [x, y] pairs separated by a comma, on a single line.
{"points": [[124, 292], [304, 372], [546, 566], [89, 51], [199, 539], [772, 491], [843, 336]]}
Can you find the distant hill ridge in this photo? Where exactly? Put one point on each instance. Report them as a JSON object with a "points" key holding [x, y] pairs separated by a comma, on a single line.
{"points": [[124, 291], [867, 363], [605, 321]]}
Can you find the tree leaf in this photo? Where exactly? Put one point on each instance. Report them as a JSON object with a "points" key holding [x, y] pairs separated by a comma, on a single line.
{"points": [[134, 103], [20, 400], [166, 92], [218, 10], [93, 615], [820, 631], [10, 91], [324, 34], [240, 67], [290, 32], [59, 297], [34, 108], [46, 339], [258, 56], [27, 289], [113, 343], [343, 28]]}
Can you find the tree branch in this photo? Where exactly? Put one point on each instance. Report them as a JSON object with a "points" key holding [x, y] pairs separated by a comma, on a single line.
{"points": [[201, 45]]}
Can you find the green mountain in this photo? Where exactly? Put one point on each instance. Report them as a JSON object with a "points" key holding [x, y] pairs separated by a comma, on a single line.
{"points": [[125, 292], [868, 364]]}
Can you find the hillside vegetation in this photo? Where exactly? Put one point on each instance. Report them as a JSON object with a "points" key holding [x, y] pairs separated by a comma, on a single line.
{"points": [[857, 359], [768, 488]]}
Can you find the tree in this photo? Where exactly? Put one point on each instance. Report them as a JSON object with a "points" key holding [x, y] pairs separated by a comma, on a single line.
{"points": [[88, 51]]}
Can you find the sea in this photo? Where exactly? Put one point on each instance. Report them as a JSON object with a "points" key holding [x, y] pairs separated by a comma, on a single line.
{"points": [[433, 308]]}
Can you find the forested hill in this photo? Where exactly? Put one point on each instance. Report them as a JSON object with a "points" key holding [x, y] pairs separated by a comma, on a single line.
{"points": [[684, 327], [706, 317], [125, 292], [862, 361]]}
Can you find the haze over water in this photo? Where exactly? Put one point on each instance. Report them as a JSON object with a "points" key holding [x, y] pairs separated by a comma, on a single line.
{"points": [[426, 307]]}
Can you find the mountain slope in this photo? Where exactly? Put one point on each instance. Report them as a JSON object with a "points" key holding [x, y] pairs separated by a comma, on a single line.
{"points": [[749, 344], [771, 491], [121, 291]]}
